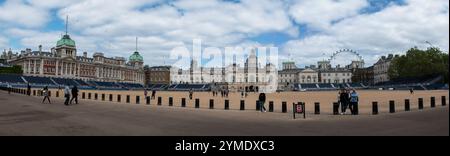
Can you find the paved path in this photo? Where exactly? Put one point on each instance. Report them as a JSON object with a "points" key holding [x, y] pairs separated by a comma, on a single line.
{"points": [[23, 115]]}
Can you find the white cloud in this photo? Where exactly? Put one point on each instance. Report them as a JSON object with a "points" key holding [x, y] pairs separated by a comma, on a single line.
{"points": [[16, 12], [319, 14], [392, 30], [111, 27]]}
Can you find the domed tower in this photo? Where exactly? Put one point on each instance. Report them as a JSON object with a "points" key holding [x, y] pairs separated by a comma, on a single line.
{"points": [[136, 60], [65, 47]]}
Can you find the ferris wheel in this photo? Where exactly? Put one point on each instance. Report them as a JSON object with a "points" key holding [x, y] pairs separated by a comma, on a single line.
{"points": [[346, 51]]}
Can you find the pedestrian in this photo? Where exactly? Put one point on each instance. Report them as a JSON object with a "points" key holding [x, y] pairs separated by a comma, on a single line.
{"points": [[66, 95], [190, 94], [9, 88], [28, 89], [74, 95], [153, 93], [354, 102], [343, 98], [46, 95], [262, 101], [145, 92]]}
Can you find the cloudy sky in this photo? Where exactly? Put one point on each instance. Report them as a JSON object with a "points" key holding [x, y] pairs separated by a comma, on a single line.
{"points": [[304, 30]]}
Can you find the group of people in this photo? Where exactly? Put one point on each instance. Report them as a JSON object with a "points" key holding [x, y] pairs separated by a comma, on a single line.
{"points": [[153, 94], [223, 93], [348, 99], [67, 94]]}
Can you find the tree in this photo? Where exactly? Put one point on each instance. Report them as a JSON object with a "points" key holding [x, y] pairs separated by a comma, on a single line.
{"points": [[420, 64], [11, 70]]}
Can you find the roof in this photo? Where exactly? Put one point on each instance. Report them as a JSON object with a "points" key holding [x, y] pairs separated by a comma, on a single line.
{"points": [[136, 57], [65, 41]]}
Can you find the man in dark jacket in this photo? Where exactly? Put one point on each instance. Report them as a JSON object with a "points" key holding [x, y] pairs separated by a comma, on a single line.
{"points": [[344, 98], [28, 89], [74, 95], [262, 100]]}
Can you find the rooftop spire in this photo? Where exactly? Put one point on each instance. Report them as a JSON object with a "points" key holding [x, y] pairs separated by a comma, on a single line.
{"points": [[67, 23], [136, 43]]}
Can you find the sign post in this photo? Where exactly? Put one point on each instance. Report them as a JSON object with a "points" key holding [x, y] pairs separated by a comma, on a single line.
{"points": [[299, 108]]}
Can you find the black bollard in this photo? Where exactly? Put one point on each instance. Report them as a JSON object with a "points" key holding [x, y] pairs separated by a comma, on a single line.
{"points": [[183, 102], [432, 102], [170, 101], [391, 106], [257, 105], [270, 106], [443, 101], [374, 108], [407, 105], [211, 104], [197, 103], [159, 100], [420, 103], [356, 109], [242, 105], [316, 108], [335, 108], [147, 100], [227, 104], [284, 107]]}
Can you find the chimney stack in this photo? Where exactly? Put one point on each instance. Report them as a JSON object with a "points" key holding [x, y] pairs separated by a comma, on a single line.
{"points": [[40, 48]]}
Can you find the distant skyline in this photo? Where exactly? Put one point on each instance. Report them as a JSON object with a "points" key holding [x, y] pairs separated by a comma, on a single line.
{"points": [[307, 30]]}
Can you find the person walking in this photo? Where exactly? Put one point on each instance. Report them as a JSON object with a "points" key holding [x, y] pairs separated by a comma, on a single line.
{"points": [[74, 95], [262, 101], [190, 94], [66, 95], [145, 92], [354, 102], [46, 95], [153, 93], [28, 89], [9, 88], [343, 99]]}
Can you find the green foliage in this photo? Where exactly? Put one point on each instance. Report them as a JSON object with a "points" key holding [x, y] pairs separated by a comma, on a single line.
{"points": [[419, 63], [11, 70]]}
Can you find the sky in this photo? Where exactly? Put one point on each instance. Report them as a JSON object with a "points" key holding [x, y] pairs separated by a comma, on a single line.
{"points": [[305, 31]]}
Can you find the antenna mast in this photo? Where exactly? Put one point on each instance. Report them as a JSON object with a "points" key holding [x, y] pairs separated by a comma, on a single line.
{"points": [[136, 43], [67, 23]]}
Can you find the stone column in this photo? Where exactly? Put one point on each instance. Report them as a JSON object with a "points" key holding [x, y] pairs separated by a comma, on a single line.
{"points": [[29, 66], [78, 69], [41, 72], [24, 67], [57, 64], [34, 67]]}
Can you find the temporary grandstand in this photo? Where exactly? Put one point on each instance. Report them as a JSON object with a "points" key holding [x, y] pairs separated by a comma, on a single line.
{"points": [[38, 82]]}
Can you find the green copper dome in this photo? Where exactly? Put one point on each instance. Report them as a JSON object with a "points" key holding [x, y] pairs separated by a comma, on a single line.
{"points": [[136, 57], [65, 40]]}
